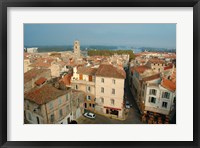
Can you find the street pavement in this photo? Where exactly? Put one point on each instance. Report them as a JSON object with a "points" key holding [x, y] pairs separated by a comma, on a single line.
{"points": [[133, 117]]}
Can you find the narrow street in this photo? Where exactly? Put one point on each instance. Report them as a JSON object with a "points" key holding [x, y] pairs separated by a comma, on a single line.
{"points": [[133, 113]]}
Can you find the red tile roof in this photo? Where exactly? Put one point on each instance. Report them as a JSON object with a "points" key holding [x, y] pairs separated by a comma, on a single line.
{"points": [[33, 73], [42, 62], [62, 63], [40, 81], [170, 66], [168, 84], [44, 94], [156, 61], [108, 70], [141, 69], [86, 70], [173, 56], [153, 77], [66, 79], [26, 54]]}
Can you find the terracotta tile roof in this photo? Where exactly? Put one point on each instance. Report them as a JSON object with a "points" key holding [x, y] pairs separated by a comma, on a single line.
{"points": [[44, 94], [168, 84], [108, 70], [170, 66], [42, 62], [61, 63], [66, 79], [40, 81], [141, 69], [153, 77], [156, 61], [33, 73], [86, 70], [137, 54], [173, 56]]}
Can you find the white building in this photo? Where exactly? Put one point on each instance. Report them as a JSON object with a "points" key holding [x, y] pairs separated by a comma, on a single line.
{"points": [[159, 97], [110, 90], [32, 50]]}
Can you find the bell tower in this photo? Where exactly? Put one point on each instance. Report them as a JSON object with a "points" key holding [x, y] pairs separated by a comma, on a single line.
{"points": [[77, 48]]}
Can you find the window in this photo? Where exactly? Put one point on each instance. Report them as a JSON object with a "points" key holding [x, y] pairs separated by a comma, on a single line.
{"points": [[90, 104], [152, 100], [102, 80], [90, 78], [166, 95], [60, 113], [112, 101], [164, 104], [93, 105], [88, 89], [29, 116], [113, 81], [102, 90], [67, 108], [50, 106], [67, 97], [80, 77], [88, 97], [102, 100], [76, 86], [59, 101], [152, 92], [113, 91], [52, 118]]}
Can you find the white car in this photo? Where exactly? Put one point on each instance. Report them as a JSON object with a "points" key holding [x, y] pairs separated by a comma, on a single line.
{"points": [[128, 104], [90, 115]]}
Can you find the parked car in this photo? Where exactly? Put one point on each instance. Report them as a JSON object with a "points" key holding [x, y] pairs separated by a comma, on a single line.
{"points": [[128, 105], [90, 115]]}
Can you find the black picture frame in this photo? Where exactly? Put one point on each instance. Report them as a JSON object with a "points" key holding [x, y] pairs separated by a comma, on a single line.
{"points": [[4, 4]]}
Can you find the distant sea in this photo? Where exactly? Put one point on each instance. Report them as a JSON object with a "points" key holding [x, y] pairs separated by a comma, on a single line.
{"points": [[98, 47]]}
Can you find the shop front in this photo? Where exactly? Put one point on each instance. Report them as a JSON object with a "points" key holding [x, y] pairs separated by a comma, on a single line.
{"points": [[112, 111]]}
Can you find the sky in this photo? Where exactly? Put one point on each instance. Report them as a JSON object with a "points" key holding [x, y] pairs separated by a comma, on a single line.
{"points": [[136, 35]]}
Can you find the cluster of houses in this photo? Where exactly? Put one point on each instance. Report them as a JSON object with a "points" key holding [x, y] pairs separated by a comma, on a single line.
{"points": [[152, 80], [60, 86]]}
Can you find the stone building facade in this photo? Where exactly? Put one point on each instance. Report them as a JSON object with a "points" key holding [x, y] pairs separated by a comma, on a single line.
{"points": [[48, 104]]}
